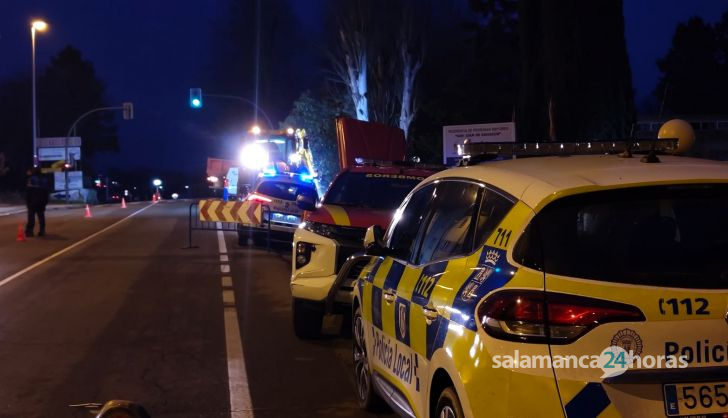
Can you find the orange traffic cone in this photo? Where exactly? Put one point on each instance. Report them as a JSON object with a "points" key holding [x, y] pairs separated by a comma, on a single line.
{"points": [[88, 212], [123, 203], [21, 234]]}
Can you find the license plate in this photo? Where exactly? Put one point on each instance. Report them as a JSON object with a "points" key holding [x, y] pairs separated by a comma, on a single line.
{"points": [[687, 399]]}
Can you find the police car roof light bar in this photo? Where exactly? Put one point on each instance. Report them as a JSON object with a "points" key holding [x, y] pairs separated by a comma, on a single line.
{"points": [[473, 152]]}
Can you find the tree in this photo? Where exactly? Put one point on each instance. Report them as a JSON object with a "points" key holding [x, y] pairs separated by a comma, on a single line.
{"points": [[379, 73], [350, 61], [411, 47], [316, 115], [67, 89], [575, 76], [695, 70], [16, 136]]}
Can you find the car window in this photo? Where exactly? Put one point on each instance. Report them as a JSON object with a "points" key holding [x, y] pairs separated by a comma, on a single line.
{"points": [[407, 222], [451, 227], [283, 190], [493, 208], [668, 236], [370, 190]]}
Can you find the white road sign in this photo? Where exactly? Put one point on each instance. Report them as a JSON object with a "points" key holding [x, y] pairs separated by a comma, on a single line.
{"points": [[454, 135]]}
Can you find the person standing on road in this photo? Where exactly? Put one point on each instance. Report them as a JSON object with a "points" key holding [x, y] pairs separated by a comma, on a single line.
{"points": [[36, 199]]}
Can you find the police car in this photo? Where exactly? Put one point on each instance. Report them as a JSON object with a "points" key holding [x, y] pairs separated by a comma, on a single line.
{"points": [[360, 196], [494, 280], [277, 193]]}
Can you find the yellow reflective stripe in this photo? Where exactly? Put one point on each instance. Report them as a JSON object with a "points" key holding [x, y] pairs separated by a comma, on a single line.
{"points": [[610, 412], [339, 215]]}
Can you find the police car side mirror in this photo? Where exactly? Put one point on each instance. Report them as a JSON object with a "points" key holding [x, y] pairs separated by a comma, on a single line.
{"points": [[306, 202], [374, 241]]}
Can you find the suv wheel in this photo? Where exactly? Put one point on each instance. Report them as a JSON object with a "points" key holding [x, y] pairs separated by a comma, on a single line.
{"points": [[448, 405], [307, 319], [365, 394]]}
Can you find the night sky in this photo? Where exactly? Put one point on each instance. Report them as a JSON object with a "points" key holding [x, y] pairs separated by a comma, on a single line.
{"points": [[151, 52]]}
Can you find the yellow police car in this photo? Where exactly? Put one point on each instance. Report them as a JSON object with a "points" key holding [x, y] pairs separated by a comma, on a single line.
{"points": [[498, 288]]}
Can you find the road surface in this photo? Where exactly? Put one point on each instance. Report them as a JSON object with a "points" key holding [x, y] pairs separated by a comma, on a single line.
{"points": [[113, 307]]}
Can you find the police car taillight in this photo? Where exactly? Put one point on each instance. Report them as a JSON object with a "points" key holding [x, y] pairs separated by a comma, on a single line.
{"points": [[258, 198], [546, 317]]}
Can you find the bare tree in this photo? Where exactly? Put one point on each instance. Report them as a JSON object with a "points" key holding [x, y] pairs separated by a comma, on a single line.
{"points": [[350, 61], [411, 54]]}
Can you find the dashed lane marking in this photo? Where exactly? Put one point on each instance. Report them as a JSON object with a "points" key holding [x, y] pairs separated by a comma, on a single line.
{"points": [[227, 281], [241, 405]]}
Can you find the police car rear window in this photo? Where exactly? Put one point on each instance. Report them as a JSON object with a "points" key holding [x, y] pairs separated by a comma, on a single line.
{"points": [[371, 190], [283, 190], [669, 236]]}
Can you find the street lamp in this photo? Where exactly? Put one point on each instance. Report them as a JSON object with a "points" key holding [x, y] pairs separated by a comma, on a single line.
{"points": [[157, 183], [40, 26]]}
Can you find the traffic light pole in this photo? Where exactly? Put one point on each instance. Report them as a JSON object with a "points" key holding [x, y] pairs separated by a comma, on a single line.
{"points": [[243, 99], [128, 114]]}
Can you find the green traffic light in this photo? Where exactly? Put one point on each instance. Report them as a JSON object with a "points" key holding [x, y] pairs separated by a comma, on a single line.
{"points": [[196, 103]]}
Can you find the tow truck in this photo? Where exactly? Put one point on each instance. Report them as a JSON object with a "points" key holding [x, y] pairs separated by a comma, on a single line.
{"points": [[261, 151]]}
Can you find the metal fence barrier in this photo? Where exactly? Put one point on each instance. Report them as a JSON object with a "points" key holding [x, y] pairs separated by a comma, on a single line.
{"points": [[195, 224]]}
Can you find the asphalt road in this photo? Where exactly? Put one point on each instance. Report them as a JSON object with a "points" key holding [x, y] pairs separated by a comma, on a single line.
{"points": [[124, 312]]}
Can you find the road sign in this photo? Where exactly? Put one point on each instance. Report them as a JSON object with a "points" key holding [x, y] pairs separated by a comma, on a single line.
{"points": [[75, 180], [59, 142], [454, 135], [59, 154], [246, 213]]}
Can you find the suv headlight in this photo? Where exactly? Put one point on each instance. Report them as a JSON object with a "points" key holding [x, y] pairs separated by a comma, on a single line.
{"points": [[325, 230]]}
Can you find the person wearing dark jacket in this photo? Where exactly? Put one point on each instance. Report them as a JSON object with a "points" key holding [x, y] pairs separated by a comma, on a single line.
{"points": [[36, 199]]}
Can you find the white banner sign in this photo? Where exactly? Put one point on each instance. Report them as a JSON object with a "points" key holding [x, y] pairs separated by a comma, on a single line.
{"points": [[59, 154], [232, 178], [454, 135], [75, 180]]}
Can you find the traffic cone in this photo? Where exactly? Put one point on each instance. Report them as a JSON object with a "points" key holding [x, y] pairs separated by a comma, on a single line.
{"points": [[21, 234], [88, 212], [123, 203]]}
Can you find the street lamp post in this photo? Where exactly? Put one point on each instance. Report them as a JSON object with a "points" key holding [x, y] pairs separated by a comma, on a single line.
{"points": [[40, 26], [157, 183]]}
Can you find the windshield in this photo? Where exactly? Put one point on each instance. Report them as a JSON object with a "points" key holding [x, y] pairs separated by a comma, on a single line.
{"points": [[367, 190], [674, 236], [283, 190]]}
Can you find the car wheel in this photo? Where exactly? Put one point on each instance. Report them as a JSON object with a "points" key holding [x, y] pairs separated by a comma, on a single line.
{"points": [[365, 394], [448, 405], [307, 319]]}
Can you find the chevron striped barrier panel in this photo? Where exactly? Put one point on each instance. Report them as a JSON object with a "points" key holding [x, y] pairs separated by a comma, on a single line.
{"points": [[245, 213]]}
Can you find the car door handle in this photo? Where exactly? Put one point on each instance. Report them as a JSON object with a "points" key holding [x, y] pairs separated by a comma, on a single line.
{"points": [[430, 313], [390, 296]]}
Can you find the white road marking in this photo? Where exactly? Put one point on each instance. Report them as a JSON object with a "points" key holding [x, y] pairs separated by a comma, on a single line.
{"points": [[9, 279], [221, 240], [228, 298], [224, 258], [241, 405], [225, 268]]}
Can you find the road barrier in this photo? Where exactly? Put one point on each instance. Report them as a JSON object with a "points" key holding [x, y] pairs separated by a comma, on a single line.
{"points": [[218, 215], [246, 213]]}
